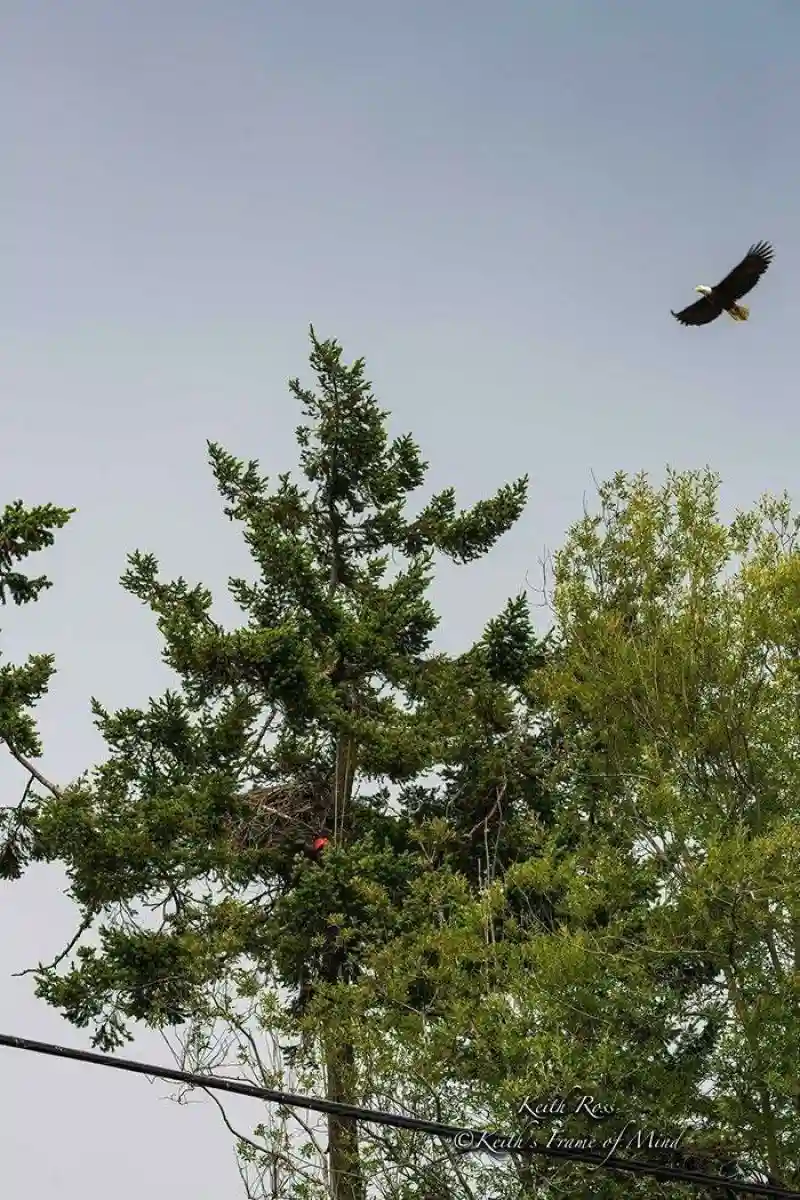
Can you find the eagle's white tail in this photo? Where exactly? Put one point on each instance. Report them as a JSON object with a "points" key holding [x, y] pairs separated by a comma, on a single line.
{"points": [[739, 312]]}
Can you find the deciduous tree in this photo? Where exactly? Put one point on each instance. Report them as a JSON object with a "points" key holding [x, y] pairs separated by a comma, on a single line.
{"points": [[647, 951]]}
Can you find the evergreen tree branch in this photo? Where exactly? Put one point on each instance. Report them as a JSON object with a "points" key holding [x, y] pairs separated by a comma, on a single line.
{"points": [[33, 771]]}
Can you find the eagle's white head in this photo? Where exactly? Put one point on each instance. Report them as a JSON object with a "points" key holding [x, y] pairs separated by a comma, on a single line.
{"points": [[703, 289]]}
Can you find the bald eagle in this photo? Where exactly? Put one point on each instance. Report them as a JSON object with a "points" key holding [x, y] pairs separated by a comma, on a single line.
{"points": [[723, 297]]}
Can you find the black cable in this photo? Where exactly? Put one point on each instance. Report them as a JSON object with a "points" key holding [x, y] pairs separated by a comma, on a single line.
{"points": [[465, 1139]]}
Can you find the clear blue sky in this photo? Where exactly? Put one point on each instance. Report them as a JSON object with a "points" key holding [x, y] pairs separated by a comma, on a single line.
{"points": [[497, 204]]}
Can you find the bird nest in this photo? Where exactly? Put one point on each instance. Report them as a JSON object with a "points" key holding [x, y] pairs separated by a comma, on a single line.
{"points": [[268, 817]]}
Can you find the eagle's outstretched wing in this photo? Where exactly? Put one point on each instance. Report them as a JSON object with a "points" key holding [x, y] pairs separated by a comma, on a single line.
{"points": [[744, 277], [700, 313]]}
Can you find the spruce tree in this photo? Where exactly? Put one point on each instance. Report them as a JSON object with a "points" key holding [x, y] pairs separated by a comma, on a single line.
{"points": [[23, 531], [255, 824]]}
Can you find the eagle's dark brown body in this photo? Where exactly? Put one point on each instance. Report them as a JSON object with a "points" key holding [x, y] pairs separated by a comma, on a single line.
{"points": [[724, 297]]}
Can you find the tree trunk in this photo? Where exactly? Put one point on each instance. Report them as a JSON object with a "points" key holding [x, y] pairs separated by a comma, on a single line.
{"points": [[344, 1161]]}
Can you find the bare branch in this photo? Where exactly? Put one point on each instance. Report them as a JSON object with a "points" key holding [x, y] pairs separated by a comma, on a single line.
{"points": [[59, 958], [33, 771]]}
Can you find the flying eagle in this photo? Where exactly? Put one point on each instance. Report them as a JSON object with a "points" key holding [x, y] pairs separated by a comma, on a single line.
{"points": [[723, 297]]}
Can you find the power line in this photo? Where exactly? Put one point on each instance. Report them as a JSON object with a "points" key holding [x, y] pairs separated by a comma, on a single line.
{"points": [[465, 1139]]}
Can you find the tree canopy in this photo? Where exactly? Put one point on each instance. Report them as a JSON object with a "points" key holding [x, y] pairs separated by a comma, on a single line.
{"points": [[563, 860], [648, 951]]}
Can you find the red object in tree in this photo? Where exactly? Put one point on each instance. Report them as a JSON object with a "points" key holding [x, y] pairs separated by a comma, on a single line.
{"points": [[318, 844]]}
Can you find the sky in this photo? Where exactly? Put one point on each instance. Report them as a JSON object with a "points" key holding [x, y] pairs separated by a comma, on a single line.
{"points": [[497, 205]]}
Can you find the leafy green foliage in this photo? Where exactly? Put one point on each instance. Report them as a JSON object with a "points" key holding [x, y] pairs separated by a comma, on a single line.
{"points": [[645, 946], [553, 864]]}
